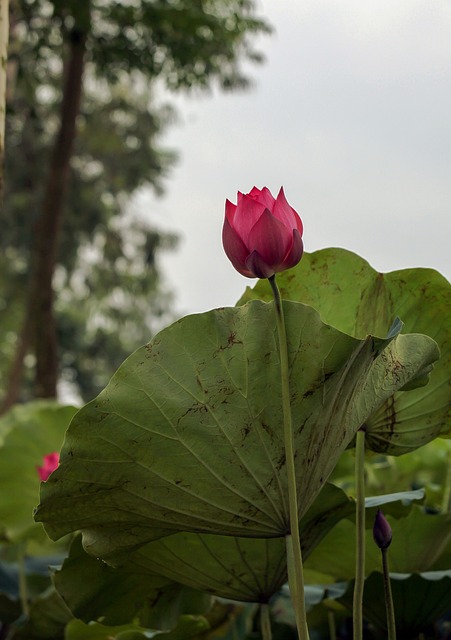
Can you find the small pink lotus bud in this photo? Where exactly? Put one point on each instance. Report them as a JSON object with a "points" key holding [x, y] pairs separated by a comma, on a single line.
{"points": [[50, 463], [382, 532], [262, 235]]}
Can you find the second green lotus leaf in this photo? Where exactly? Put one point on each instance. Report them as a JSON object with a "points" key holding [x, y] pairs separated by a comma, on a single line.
{"points": [[352, 296]]}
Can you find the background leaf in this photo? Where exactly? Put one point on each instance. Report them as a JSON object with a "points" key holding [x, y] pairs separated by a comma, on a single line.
{"points": [[420, 541], [47, 619], [78, 630], [27, 433], [419, 600], [93, 591]]}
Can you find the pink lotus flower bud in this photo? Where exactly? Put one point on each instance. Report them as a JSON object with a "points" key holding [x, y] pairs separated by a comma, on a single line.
{"points": [[262, 235], [382, 533], [50, 462]]}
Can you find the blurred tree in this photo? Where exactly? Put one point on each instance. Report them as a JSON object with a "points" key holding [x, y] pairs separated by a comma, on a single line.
{"points": [[82, 137], [4, 32]]}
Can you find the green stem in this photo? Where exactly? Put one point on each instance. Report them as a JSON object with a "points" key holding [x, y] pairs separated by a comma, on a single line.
{"points": [[360, 535], [446, 501], [292, 539], [265, 622], [296, 584], [23, 591], [331, 621], [391, 624]]}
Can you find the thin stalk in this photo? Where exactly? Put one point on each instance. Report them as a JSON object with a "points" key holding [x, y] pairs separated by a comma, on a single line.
{"points": [[331, 621], [446, 501], [391, 624], [360, 535], [23, 591], [296, 584], [265, 622], [292, 539]]}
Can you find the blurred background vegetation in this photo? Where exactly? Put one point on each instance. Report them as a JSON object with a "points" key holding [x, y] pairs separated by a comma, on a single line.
{"points": [[80, 285]]}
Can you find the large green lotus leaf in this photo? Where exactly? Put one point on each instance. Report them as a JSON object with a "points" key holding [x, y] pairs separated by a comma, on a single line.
{"points": [[188, 435], [27, 433], [420, 541], [419, 601], [94, 591], [352, 296], [244, 569]]}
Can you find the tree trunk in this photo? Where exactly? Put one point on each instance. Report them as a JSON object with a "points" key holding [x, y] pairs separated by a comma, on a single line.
{"points": [[48, 226], [39, 331], [16, 370]]}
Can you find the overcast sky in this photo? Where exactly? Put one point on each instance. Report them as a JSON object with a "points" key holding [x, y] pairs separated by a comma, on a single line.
{"points": [[351, 114]]}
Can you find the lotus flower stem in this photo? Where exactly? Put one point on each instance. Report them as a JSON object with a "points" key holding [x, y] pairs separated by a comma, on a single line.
{"points": [[265, 622], [357, 610], [292, 540], [391, 624]]}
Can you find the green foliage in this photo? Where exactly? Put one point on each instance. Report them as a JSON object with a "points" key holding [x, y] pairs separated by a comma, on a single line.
{"points": [[421, 546], [96, 592], [186, 43], [419, 600], [418, 557], [350, 295], [108, 290], [427, 468], [420, 541], [47, 619], [78, 630], [27, 433]]}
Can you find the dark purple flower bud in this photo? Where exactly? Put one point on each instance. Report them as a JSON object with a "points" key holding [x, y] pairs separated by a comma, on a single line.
{"points": [[382, 533]]}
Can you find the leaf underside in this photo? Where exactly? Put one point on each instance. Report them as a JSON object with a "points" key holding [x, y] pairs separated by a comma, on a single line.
{"points": [[188, 435]]}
